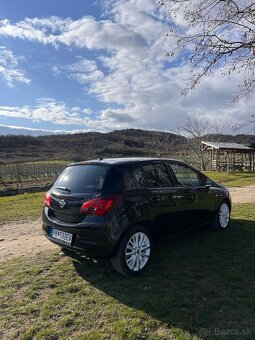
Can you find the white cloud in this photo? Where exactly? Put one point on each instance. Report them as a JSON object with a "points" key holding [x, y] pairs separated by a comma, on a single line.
{"points": [[83, 33], [116, 116], [13, 129], [49, 110], [9, 67], [87, 111], [49, 25], [43, 30], [159, 116], [84, 71], [20, 31], [92, 34], [129, 74]]}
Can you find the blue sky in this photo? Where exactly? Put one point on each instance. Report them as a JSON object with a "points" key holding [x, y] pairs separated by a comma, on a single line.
{"points": [[99, 65]]}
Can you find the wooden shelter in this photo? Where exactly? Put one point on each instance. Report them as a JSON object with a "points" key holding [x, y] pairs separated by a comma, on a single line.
{"points": [[229, 156]]}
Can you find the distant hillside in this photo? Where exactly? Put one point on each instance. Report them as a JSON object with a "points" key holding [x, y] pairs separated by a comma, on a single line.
{"points": [[82, 146], [242, 139]]}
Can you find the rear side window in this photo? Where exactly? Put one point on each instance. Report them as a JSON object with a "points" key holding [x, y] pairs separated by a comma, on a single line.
{"points": [[89, 179], [128, 181], [185, 175], [152, 176]]}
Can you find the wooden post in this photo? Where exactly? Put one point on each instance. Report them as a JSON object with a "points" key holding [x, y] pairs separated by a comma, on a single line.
{"points": [[217, 160], [17, 176], [228, 168], [234, 161]]}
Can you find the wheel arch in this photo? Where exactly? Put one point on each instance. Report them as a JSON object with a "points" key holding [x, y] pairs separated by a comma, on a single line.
{"points": [[119, 259], [228, 201], [146, 224]]}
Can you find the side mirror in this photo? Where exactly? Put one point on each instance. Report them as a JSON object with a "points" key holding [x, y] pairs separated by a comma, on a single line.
{"points": [[208, 183]]}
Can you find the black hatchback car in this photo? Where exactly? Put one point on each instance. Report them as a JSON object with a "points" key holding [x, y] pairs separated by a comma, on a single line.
{"points": [[118, 207]]}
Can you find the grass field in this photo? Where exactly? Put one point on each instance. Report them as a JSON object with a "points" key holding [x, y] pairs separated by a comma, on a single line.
{"points": [[232, 179], [21, 207], [200, 285]]}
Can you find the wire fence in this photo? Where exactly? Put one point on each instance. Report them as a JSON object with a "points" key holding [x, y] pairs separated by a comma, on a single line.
{"points": [[21, 176]]}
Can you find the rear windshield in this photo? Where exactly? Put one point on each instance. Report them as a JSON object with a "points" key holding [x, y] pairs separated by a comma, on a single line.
{"points": [[90, 178]]}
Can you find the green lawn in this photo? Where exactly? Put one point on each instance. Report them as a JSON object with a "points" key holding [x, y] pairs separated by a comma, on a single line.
{"points": [[21, 207], [200, 285], [232, 179]]}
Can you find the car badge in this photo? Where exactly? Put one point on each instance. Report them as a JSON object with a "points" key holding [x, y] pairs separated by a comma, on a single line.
{"points": [[62, 203]]}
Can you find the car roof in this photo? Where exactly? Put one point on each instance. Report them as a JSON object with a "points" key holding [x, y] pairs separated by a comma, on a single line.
{"points": [[122, 160]]}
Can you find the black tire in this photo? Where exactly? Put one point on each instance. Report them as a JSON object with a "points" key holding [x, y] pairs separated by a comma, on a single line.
{"points": [[222, 219], [130, 260]]}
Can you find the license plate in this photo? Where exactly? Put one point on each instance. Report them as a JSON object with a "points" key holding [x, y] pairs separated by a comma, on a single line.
{"points": [[61, 236]]}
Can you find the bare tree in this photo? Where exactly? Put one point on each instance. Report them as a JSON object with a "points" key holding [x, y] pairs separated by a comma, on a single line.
{"points": [[215, 34], [160, 145], [198, 128], [238, 126], [165, 144]]}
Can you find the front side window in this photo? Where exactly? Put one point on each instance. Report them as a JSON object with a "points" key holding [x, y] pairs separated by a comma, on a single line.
{"points": [[185, 175], [152, 176]]}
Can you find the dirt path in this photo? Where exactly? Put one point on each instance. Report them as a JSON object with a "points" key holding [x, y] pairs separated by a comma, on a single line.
{"points": [[243, 194], [26, 238]]}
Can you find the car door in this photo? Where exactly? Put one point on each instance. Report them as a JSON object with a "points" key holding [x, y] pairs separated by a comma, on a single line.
{"points": [[156, 179], [192, 197]]}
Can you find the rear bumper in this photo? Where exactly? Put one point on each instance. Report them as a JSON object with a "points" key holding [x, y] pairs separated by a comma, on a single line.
{"points": [[88, 238]]}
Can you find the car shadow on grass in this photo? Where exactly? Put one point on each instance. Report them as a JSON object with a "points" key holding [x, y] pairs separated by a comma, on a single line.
{"points": [[200, 281]]}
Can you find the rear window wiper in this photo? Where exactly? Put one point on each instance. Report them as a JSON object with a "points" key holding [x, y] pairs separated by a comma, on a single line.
{"points": [[63, 188]]}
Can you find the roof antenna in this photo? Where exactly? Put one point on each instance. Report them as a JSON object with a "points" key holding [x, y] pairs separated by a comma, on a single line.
{"points": [[100, 158]]}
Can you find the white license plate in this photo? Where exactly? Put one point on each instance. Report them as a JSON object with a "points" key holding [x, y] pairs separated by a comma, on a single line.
{"points": [[61, 236]]}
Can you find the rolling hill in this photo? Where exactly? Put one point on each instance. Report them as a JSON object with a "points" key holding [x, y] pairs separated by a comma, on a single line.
{"points": [[82, 146]]}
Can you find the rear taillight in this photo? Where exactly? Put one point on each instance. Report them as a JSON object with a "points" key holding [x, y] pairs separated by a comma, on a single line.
{"points": [[100, 206], [47, 199]]}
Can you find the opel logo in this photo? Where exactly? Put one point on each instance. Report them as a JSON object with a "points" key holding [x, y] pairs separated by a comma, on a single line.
{"points": [[62, 203]]}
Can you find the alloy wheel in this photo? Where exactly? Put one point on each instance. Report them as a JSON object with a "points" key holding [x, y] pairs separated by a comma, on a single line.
{"points": [[137, 251], [224, 215]]}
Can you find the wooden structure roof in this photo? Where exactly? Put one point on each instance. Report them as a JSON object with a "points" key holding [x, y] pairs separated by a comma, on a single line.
{"points": [[227, 146], [229, 156]]}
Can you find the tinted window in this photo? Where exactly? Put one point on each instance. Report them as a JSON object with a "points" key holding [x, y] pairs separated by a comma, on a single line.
{"points": [[128, 182], [152, 175], [90, 178], [185, 175], [163, 176]]}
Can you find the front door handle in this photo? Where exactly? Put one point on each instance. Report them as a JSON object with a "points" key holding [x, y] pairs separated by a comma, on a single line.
{"points": [[155, 199], [190, 197]]}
